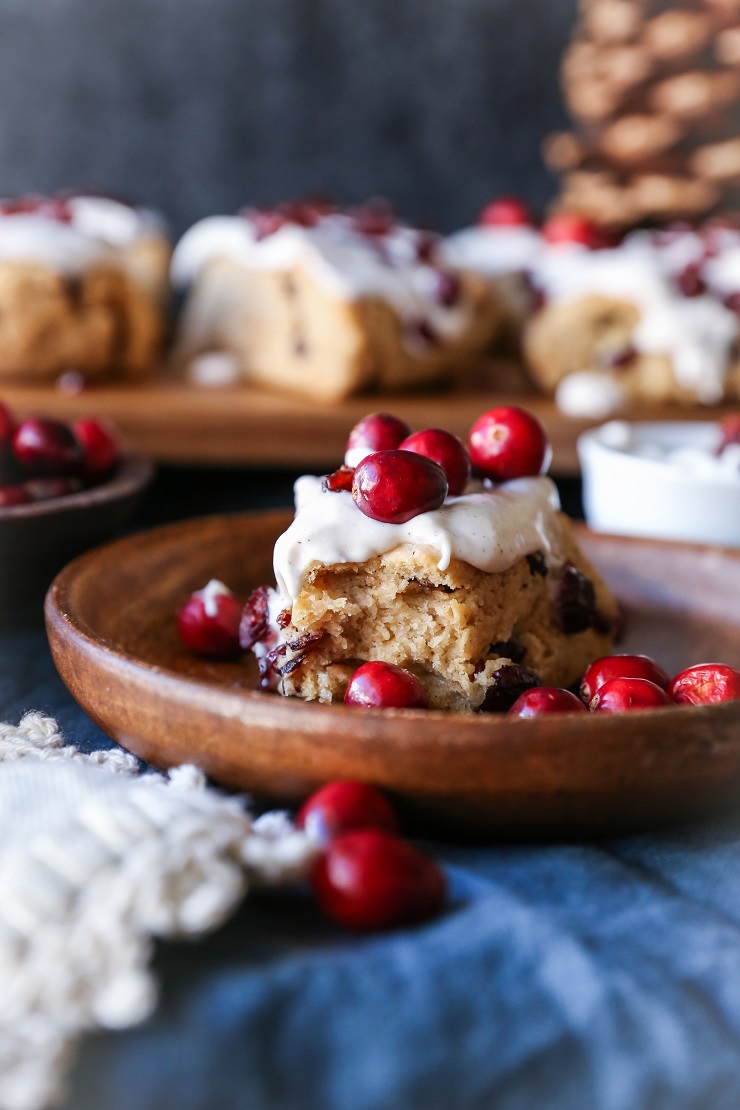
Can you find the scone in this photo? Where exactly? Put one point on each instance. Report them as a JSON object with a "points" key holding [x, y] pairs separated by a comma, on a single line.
{"points": [[83, 287], [480, 598], [323, 302]]}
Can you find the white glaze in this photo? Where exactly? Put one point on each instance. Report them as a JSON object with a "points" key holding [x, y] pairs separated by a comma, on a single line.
{"points": [[493, 251], [589, 394], [210, 594], [489, 529], [214, 369], [350, 265], [113, 222]]}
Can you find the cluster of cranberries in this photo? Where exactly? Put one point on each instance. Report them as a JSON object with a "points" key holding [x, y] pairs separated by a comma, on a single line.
{"points": [[400, 474], [367, 877], [376, 217], [52, 207], [563, 227], [42, 459]]}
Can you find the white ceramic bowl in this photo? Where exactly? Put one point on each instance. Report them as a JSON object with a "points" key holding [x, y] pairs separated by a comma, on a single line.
{"points": [[661, 480]]}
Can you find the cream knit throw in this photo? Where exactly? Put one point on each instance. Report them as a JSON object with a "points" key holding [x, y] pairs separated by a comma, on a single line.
{"points": [[96, 859]]}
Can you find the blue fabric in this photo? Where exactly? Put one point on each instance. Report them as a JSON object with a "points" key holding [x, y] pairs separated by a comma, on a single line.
{"points": [[604, 976]]}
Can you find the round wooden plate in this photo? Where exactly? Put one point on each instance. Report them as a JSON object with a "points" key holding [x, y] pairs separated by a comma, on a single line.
{"points": [[110, 617]]}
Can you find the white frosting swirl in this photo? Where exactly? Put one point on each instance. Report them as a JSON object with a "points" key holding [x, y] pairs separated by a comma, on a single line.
{"points": [[489, 528]]}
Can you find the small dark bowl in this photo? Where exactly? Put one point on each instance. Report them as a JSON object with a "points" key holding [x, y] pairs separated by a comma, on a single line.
{"points": [[37, 540]]}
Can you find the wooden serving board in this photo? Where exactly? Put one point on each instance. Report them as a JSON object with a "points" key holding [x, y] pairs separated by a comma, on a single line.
{"points": [[175, 421]]}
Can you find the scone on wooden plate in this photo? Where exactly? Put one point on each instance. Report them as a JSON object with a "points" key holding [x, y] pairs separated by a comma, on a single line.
{"points": [[479, 595], [83, 287], [325, 302]]}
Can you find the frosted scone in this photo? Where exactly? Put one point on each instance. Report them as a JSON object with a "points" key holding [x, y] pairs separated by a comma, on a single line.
{"points": [[477, 588], [325, 302], [83, 287]]}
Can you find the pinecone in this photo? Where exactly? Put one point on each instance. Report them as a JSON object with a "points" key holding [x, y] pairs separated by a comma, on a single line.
{"points": [[654, 92]]}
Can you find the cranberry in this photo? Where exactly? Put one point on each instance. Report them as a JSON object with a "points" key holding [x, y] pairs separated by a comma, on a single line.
{"points": [[341, 806], [427, 245], [506, 212], [447, 451], [705, 684], [621, 666], [339, 480], [378, 685], [47, 447], [507, 684], [377, 432], [368, 879], [732, 301], [394, 486], [449, 288], [208, 622], [255, 619], [13, 495], [690, 280], [620, 694], [374, 218], [99, 447], [53, 208], [264, 221], [7, 424], [47, 489], [569, 227], [729, 431], [508, 443], [540, 701]]}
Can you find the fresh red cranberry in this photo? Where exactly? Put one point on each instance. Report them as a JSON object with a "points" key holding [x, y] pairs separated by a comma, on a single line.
{"points": [[690, 280], [377, 432], [729, 431], [541, 701], [621, 666], [340, 807], [339, 481], [447, 451], [621, 694], [378, 685], [705, 684], [394, 486], [368, 879], [47, 447], [448, 289], [10, 496], [208, 622], [507, 443], [99, 447], [569, 227], [506, 212], [48, 489]]}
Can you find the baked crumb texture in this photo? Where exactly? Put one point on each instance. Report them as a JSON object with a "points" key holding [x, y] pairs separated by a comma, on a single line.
{"points": [[107, 320], [460, 631], [290, 333], [595, 333]]}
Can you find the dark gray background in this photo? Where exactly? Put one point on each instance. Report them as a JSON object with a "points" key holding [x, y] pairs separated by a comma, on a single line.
{"points": [[198, 106]]}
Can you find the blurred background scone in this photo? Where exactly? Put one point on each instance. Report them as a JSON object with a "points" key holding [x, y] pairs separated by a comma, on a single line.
{"points": [[83, 287]]}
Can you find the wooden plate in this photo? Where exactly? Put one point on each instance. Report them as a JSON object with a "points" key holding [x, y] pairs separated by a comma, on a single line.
{"points": [[175, 422], [110, 617]]}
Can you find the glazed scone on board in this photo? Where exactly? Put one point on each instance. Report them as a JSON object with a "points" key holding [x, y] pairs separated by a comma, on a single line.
{"points": [[326, 303], [479, 598], [83, 287]]}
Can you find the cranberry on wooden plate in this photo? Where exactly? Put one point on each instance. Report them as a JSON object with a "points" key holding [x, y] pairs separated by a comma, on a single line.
{"points": [[377, 432], [47, 447], [208, 622], [508, 442], [378, 685], [341, 806], [621, 666], [368, 879], [394, 486], [99, 447], [541, 701], [705, 684], [447, 451], [621, 694], [506, 212]]}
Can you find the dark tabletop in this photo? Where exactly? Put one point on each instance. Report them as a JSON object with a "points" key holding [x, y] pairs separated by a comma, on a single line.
{"points": [[575, 975]]}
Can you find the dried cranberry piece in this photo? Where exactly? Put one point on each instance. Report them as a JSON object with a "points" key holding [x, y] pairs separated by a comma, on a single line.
{"points": [[575, 601], [509, 649], [284, 618], [255, 618], [377, 217], [618, 359], [507, 684], [339, 481], [537, 563], [448, 288], [422, 331], [691, 281], [732, 301]]}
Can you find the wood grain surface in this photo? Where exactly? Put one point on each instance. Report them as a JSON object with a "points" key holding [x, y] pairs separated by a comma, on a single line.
{"points": [[111, 623], [176, 422]]}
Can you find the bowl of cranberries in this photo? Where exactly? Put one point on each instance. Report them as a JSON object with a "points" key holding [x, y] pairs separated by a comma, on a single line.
{"points": [[63, 488]]}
